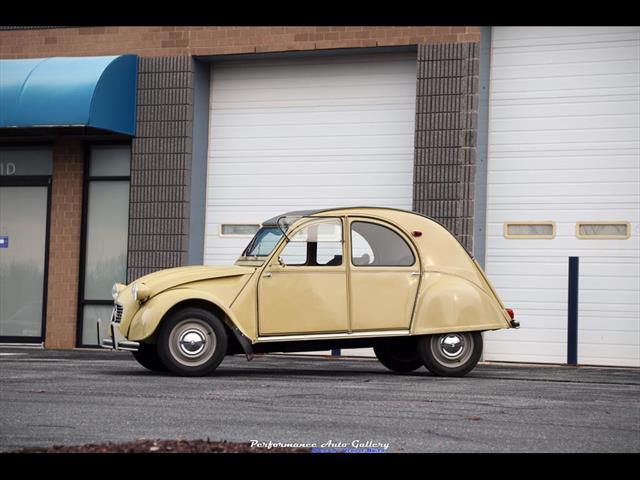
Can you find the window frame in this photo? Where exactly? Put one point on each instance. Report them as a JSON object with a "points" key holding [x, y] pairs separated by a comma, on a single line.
{"points": [[509, 236], [388, 226], [87, 179], [603, 237]]}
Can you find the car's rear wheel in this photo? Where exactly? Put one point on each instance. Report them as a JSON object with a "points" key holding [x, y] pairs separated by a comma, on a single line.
{"points": [[398, 354], [450, 354], [192, 342], [147, 356]]}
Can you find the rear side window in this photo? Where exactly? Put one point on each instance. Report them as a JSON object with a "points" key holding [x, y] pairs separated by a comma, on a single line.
{"points": [[373, 245]]}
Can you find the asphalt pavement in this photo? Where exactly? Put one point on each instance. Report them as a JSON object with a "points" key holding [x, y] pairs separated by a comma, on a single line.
{"points": [[50, 397]]}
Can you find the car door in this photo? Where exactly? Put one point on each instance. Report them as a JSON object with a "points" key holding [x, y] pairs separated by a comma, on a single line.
{"points": [[303, 290], [384, 276]]}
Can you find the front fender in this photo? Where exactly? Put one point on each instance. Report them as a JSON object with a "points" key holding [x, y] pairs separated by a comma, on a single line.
{"points": [[146, 320], [451, 303]]}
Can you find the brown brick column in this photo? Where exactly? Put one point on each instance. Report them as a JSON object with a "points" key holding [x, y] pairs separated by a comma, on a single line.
{"points": [[64, 244], [161, 166], [446, 136]]}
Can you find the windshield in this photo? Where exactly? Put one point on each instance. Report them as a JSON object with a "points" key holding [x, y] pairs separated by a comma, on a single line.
{"points": [[263, 243]]}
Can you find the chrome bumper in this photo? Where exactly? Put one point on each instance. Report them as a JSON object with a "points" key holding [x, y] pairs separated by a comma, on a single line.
{"points": [[116, 341]]}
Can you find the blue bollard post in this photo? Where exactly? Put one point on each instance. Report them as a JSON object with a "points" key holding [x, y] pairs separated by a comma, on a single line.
{"points": [[572, 312]]}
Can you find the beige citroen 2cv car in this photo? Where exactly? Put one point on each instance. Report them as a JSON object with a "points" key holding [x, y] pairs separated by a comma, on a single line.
{"points": [[362, 277]]}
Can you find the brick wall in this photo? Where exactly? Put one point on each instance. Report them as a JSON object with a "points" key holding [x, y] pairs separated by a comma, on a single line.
{"points": [[161, 166], [445, 143], [181, 41], [64, 244]]}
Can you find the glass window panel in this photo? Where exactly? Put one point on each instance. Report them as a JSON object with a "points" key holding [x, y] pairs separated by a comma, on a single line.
{"points": [[603, 230], [110, 161], [320, 232], [23, 223], [238, 229], [263, 243], [326, 239], [329, 253], [388, 249], [107, 227], [361, 250], [91, 314], [295, 253], [26, 161], [530, 230]]}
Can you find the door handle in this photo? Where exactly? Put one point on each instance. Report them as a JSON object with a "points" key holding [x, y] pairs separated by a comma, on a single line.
{"points": [[414, 274], [267, 275]]}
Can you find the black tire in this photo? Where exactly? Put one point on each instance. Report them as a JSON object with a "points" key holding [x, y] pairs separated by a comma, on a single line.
{"points": [[147, 356], [450, 354], [398, 354], [192, 342]]}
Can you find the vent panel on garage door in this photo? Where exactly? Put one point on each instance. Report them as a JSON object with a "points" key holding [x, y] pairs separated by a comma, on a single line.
{"points": [[564, 147], [288, 134]]}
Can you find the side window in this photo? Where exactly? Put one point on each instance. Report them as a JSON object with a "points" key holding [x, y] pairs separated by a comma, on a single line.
{"points": [[361, 252], [375, 245], [319, 244], [295, 253]]}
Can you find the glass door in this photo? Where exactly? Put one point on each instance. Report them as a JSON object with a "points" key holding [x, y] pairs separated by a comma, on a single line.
{"points": [[23, 238]]}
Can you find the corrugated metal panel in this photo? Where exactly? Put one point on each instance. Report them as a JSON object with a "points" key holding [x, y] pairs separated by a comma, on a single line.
{"points": [[294, 134], [564, 145]]}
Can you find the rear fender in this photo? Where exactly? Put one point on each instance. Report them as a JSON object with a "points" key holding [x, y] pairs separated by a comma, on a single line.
{"points": [[451, 303]]}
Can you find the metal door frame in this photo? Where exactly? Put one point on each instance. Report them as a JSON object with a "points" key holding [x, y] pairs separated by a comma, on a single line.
{"points": [[86, 181], [34, 181]]}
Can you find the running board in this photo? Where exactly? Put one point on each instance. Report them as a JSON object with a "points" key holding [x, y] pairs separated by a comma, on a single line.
{"points": [[333, 336]]}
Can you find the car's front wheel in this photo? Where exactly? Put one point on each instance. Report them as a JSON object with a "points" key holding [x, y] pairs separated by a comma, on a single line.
{"points": [[192, 342], [147, 356], [450, 354], [398, 354]]}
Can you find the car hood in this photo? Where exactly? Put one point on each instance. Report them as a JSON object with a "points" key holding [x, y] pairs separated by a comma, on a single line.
{"points": [[173, 277]]}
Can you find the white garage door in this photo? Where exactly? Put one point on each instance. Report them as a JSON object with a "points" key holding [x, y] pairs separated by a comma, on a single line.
{"points": [[295, 133], [564, 147]]}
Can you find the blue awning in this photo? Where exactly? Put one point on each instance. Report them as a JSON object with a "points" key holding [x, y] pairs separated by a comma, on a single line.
{"points": [[97, 92]]}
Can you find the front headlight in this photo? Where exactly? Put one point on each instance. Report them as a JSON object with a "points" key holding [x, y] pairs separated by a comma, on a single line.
{"points": [[140, 292], [115, 290]]}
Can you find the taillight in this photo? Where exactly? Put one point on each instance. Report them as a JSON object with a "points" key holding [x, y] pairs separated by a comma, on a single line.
{"points": [[511, 314]]}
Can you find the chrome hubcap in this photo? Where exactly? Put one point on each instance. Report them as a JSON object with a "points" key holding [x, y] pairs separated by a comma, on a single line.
{"points": [[452, 346], [452, 349], [192, 342]]}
